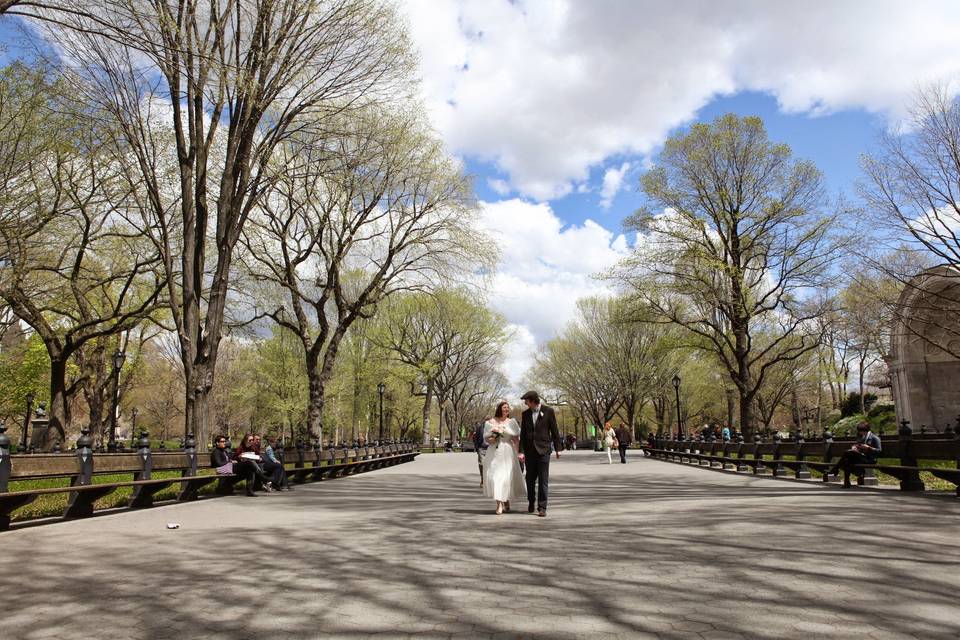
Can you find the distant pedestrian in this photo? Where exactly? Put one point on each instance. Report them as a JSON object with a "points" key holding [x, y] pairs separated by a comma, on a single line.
{"points": [[624, 440], [609, 441], [725, 433]]}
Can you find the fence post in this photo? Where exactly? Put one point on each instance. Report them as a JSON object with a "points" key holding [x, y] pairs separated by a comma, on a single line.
{"points": [[802, 473], [84, 459], [828, 455], [4, 458], [911, 479], [143, 496], [758, 467], [190, 448], [778, 468]]}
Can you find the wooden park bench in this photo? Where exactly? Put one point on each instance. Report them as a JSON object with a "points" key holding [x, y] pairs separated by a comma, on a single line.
{"points": [[796, 458], [83, 466]]}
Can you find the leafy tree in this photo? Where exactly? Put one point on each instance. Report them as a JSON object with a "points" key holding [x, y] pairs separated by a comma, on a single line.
{"points": [[734, 236], [24, 368]]}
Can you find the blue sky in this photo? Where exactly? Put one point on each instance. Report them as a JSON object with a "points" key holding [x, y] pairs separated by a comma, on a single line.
{"points": [[834, 142]]}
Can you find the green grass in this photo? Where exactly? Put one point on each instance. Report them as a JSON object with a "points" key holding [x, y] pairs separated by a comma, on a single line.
{"points": [[54, 504]]}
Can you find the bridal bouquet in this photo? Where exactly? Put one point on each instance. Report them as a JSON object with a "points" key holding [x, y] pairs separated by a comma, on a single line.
{"points": [[497, 432]]}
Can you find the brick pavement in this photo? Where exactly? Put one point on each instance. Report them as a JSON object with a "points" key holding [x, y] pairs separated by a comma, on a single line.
{"points": [[647, 549]]}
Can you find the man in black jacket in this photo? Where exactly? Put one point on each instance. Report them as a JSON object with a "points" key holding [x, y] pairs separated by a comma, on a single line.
{"points": [[624, 440], [538, 432]]}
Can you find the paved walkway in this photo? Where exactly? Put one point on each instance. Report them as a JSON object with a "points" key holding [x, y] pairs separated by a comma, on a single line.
{"points": [[414, 551]]}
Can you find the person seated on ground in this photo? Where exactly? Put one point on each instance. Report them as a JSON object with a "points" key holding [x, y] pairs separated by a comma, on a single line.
{"points": [[864, 451], [247, 464], [273, 467]]}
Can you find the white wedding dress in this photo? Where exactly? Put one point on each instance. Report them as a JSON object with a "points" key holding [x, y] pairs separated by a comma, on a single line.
{"points": [[502, 477]]}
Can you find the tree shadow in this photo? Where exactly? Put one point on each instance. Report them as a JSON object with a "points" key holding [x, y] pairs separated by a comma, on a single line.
{"points": [[399, 553]]}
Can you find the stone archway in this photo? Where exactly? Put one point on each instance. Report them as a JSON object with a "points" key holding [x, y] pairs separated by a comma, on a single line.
{"points": [[924, 350]]}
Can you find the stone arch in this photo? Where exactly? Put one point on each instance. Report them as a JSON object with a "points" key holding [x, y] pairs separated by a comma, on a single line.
{"points": [[925, 376]]}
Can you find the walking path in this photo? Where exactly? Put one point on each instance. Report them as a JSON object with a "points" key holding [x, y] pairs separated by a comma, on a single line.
{"points": [[646, 549]]}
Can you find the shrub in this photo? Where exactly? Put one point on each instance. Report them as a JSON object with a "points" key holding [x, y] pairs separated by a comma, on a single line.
{"points": [[877, 409], [851, 405]]}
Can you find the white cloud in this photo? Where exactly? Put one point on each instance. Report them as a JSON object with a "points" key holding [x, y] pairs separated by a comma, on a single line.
{"points": [[612, 181], [499, 186], [546, 267], [547, 89]]}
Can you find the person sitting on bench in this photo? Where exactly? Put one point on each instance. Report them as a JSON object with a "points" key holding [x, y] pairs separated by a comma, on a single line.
{"points": [[246, 464], [273, 467], [864, 451]]}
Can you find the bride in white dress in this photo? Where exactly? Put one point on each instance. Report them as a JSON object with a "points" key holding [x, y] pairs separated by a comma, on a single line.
{"points": [[502, 477]]}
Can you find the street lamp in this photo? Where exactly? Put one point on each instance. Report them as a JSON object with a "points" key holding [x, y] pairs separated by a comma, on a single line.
{"points": [[676, 387], [133, 428], [26, 424], [380, 389], [118, 359]]}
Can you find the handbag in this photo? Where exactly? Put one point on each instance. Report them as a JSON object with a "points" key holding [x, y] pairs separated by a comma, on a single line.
{"points": [[225, 470]]}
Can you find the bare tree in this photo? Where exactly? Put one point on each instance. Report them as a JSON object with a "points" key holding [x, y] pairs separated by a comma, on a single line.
{"points": [[407, 329], [569, 364], [203, 94], [75, 271], [734, 237], [379, 210], [912, 191], [472, 339]]}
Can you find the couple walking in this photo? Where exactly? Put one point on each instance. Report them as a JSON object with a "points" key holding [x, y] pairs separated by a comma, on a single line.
{"points": [[511, 444]]}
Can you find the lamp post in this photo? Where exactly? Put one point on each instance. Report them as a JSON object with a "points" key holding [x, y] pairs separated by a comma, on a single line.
{"points": [[133, 427], [676, 387], [118, 359], [23, 446], [380, 389]]}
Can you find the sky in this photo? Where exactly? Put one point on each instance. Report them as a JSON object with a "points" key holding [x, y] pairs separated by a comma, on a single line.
{"points": [[556, 107]]}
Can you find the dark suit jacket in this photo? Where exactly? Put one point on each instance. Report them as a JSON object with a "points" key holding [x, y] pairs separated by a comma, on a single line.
{"points": [[535, 439], [624, 436]]}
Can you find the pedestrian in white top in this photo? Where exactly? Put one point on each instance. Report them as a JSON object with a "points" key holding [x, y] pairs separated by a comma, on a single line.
{"points": [[609, 441]]}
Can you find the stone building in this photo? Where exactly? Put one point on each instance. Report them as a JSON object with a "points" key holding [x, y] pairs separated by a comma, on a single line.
{"points": [[924, 350]]}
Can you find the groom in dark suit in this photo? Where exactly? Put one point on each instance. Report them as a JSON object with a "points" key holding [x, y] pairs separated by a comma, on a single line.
{"points": [[538, 430]]}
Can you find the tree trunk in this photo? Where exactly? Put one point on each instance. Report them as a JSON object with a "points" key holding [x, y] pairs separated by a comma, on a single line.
{"points": [[730, 403], [58, 399], [315, 398], [746, 416], [863, 404], [427, 401]]}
